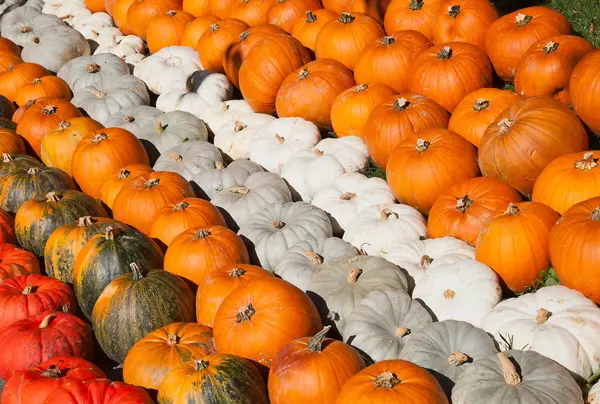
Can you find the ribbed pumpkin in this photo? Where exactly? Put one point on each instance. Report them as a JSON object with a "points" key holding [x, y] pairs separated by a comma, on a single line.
{"points": [[462, 209], [214, 378], [41, 87], [194, 30], [9, 60], [389, 60], [464, 21], [266, 67], [141, 13], [16, 262], [310, 91], [526, 137], [37, 218], [426, 163], [345, 38], [312, 370], [478, 110], [584, 90], [16, 74], [252, 12], [395, 119], [215, 41], [120, 10], [107, 256], [13, 162], [198, 251], [509, 38], [7, 231], [197, 8], [450, 71], [153, 357], [10, 142], [307, 30], [112, 186], [6, 45], [167, 29], [101, 153], [101, 391], [157, 296], [220, 8], [415, 15], [286, 13]]}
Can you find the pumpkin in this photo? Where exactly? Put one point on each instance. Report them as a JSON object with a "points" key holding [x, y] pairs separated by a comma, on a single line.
{"points": [[458, 66], [509, 38], [323, 80], [102, 391], [234, 137], [153, 357], [41, 87], [197, 8], [141, 13], [389, 60], [6, 45], [159, 296], [220, 8], [43, 117], [8, 60], [225, 112], [462, 209], [302, 370], [7, 231], [215, 41], [244, 322], [307, 30], [23, 24], [133, 118], [392, 382], [337, 6], [166, 30], [19, 113], [547, 67], [13, 162], [7, 110], [266, 67], [41, 337], [414, 15], [87, 71], [224, 377], [37, 218], [396, 118], [344, 39], [582, 89], [213, 180], [287, 13], [464, 21], [189, 158], [120, 10], [113, 185], [194, 30], [478, 110], [10, 142], [95, 6], [252, 12], [17, 75], [526, 137]]}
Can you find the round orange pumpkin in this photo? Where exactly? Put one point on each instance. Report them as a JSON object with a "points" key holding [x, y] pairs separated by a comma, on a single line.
{"points": [[215, 41], [14, 261], [415, 15], [10, 142], [375, 9], [220, 8], [17, 75], [113, 185], [8, 60], [464, 21], [167, 29], [6, 45], [197, 8], [337, 6], [585, 90], [120, 10], [252, 12], [307, 30], [286, 13], [142, 12], [194, 30], [48, 86]]}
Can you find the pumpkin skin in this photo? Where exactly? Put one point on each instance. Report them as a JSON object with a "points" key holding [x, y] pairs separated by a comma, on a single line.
{"points": [[478, 110], [464, 21], [7, 228], [307, 30], [343, 40], [462, 209], [252, 12], [389, 60], [95, 6], [302, 370], [107, 256], [286, 13], [458, 66], [426, 163], [11, 163], [197, 8], [526, 137], [8, 60], [10, 142], [6, 45], [113, 185], [17, 74], [153, 357], [141, 13], [16, 262], [309, 92], [220, 8], [509, 38], [266, 67], [214, 378], [515, 244], [215, 41], [7, 110], [160, 298], [37, 218], [194, 30], [392, 382], [101, 391], [41, 87], [166, 30], [248, 313], [395, 119], [402, 15], [120, 10], [583, 90]]}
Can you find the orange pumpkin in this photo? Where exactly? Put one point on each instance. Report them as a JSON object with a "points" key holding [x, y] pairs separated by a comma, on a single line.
{"points": [[120, 10], [464, 21], [113, 185], [58, 146], [10, 142], [167, 29], [17, 75], [375, 8], [396, 118], [389, 60], [448, 72], [143, 12], [215, 41], [462, 209], [584, 90], [194, 30], [426, 163], [478, 110], [8, 60], [220, 8], [266, 67], [515, 244], [392, 382], [8, 237], [337, 6], [310, 91], [307, 30], [345, 39], [509, 38], [526, 137], [174, 218], [351, 108], [218, 284], [6, 45], [198, 251], [197, 8], [415, 15], [252, 12], [95, 6], [286, 13], [49, 86], [101, 153], [109, 6]]}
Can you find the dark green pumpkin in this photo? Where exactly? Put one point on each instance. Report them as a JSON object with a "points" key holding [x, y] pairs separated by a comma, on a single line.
{"points": [[13, 162], [137, 303], [37, 218], [23, 184], [108, 256]]}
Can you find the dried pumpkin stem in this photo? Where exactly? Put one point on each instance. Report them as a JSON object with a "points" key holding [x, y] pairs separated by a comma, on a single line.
{"points": [[151, 183], [239, 126], [278, 224], [180, 206], [49, 110], [172, 339], [124, 173], [504, 125], [136, 271], [426, 260], [303, 74], [318, 152], [93, 68], [464, 203], [129, 118], [449, 294], [219, 165], [416, 5], [587, 162], [346, 18], [310, 17], [214, 27], [315, 344], [481, 104], [551, 47], [402, 331], [388, 40], [160, 127], [236, 272], [445, 53], [244, 35], [30, 102], [171, 13], [354, 274], [99, 137], [348, 196], [457, 358], [595, 214], [26, 29], [52, 371], [46, 321], [33, 170], [512, 209], [98, 93], [28, 289], [387, 380], [51, 197], [6, 158], [279, 138], [239, 190], [361, 87], [201, 234], [36, 80], [315, 258], [84, 221], [542, 316], [178, 158], [401, 104], [386, 213], [36, 40], [200, 365], [245, 313], [523, 19], [63, 125], [109, 234], [453, 11], [509, 371], [422, 145]]}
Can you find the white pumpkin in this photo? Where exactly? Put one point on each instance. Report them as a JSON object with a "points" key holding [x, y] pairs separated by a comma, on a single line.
{"points": [[466, 291], [417, 256], [350, 194], [279, 140], [66, 10], [234, 137], [10, 5], [101, 37], [120, 45], [204, 89], [220, 177], [255, 194], [225, 112], [168, 69], [278, 227], [554, 321], [87, 25], [594, 394], [133, 118], [302, 261], [308, 171], [23, 24], [134, 60], [55, 46], [37, 4], [110, 95], [189, 158], [376, 228], [86, 71]]}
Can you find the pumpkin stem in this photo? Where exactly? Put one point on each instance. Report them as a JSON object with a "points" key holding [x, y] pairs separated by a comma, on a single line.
{"points": [[99, 137], [64, 308], [387, 380], [509, 370], [315, 344], [151, 183], [29, 289], [214, 27], [416, 5], [587, 162], [595, 214], [97, 93], [109, 234], [360, 88], [453, 11], [172, 339], [160, 127], [279, 138], [449, 294], [278, 224], [504, 125], [36, 40], [354, 274], [315, 258], [445, 53], [303, 74], [348, 196], [402, 331], [6, 158], [63, 125], [310, 17], [224, 107], [124, 173], [84, 221], [30, 102], [512, 209], [93, 68], [129, 118], [542, 316], [401, 104], [464, 203], [426, 260], [239, 126], [551, 47], [36, 80], [245, 313], [346, 18], [219, 165], [33, 170], [171, 13], [178, 158], [457, 358], [523, 19], [236, 272], [200, 365], [136, 271], [386, 213], [201, 234], [481, 104], [26, 29], [388, 40], [244, 35], [52, 371], [51, 197], [317, 152], [180, 206], [239, 190], [46, 321], [49, 110], [422, 145]]}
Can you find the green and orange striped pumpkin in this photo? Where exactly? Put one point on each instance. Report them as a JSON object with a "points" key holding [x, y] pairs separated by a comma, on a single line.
{"points": [[13, 162]]}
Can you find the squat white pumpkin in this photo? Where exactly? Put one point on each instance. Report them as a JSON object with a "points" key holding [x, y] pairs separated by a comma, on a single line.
{"points": [[234, 137], [85, 71], [215, 179], [189, 158]]}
